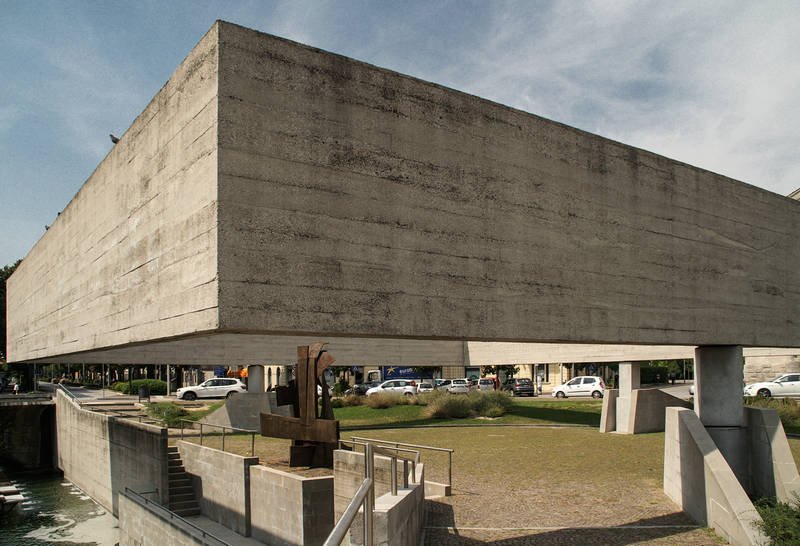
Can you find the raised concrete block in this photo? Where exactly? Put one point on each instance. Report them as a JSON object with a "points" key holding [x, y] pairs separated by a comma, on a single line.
{"points": [[271, 188], [287, 509], [222, 484]]}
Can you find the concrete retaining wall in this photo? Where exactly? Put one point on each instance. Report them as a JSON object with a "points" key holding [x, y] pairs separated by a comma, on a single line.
{"points": [[773, 472], [287, 509], [222, 484], [608, 417], [699, 480], [141, 527], [102, 455], [401, 516]]}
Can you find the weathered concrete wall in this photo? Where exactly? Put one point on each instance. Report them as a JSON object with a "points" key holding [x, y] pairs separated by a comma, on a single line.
{"points": [[141, 527], [273, 188], [287, 509], [103, 455], [133, 257], [222, 484], [773, 472], [767, 364], [647, 410], [399, 519], [355, 200], [698, 479], [405, 509]]}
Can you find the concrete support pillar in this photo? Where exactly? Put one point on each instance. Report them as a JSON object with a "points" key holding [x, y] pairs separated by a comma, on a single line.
{"points": [[719, 372], [629, 379], [255, 378]]}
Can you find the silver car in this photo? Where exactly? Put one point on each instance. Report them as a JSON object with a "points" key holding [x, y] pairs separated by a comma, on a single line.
{"points": [[458, 386], [400, 386]]}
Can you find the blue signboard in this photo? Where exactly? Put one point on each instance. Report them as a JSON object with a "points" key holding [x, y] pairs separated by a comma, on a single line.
{"points": [[406, 372], [219, 371]]}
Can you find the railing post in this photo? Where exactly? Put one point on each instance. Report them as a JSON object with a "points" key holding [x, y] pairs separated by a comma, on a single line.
{"points": [[223, 439], [450, 468], [369, 500], [252, 444], [394, 475], [405, 474], [201, 433]]}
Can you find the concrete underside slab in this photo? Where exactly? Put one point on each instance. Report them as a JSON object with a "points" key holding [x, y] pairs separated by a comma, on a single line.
{"points": [[275, 189]]}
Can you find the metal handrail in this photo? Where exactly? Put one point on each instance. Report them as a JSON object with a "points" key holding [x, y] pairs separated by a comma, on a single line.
{"points": [[195, 531], [415, 446], [224, 428], [70, 394], [343, 525]]}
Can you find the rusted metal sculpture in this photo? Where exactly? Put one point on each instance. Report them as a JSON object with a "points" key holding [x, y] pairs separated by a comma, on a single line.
{"points": [[314, 436]]}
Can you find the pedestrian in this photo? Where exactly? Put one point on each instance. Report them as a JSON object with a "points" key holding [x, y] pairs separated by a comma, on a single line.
{"points": [[16, 388]]}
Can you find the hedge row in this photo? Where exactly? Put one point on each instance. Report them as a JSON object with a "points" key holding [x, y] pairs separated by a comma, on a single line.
{"points": [[155, 386]]}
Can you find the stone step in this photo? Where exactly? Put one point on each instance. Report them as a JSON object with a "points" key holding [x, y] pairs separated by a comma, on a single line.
{"points": [[187, 512], [180, 497], [173, 456], [181, 490], [179, 483], [183, 505], [176, 480], [176, 470]]}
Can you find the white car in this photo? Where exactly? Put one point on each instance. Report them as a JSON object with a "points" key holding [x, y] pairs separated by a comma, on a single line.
{"points": [[785, 385], [400, 386], [485, 384], [583, 385], [425, 386], [458, 386], [218, 387]]}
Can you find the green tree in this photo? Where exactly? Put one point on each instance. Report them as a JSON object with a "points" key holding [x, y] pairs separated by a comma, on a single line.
{"points": [[509, 370], [5, 273]]}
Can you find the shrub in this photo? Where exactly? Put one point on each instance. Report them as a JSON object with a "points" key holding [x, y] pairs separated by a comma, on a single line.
{"points": [[495, 402], [383, 400], [351, 400], [168, 413], [781, 521], [156, 386], [457, 407]]}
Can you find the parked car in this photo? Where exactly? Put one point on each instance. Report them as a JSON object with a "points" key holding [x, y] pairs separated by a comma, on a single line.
{"points": [[521, 386], [425, 386], [485, 384], [458, 386], [784, 385], [441, 383], [361, 389], [583, 385], [401, 386], [218, 387]]}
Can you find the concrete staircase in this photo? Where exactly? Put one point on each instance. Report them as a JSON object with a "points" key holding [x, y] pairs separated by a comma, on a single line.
{"points": [[181, 494]]}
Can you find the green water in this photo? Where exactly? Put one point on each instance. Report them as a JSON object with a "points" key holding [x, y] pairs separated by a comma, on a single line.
{"points": [[54, 512]]}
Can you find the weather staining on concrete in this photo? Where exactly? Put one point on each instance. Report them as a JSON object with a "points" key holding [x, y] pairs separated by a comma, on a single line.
{"points": [[273, 188]]}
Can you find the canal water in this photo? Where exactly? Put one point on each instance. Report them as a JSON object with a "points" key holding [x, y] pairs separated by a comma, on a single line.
{"points": [[54, 512]]}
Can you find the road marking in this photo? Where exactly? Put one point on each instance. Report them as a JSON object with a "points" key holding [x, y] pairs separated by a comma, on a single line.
{"points": [[451, 528]]}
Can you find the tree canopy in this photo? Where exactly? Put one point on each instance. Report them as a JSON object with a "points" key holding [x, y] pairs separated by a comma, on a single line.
{"points": [[5, 273]]}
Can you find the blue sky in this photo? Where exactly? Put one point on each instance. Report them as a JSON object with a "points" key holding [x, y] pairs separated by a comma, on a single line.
{"points": [[713, 84]]}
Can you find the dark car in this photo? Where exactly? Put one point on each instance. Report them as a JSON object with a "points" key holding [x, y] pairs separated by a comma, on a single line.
{"points": [[362, 388], [519, 387]]}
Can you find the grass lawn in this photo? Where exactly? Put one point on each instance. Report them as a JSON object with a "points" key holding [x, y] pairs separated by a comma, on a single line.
{"points": [[536, 411]]}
